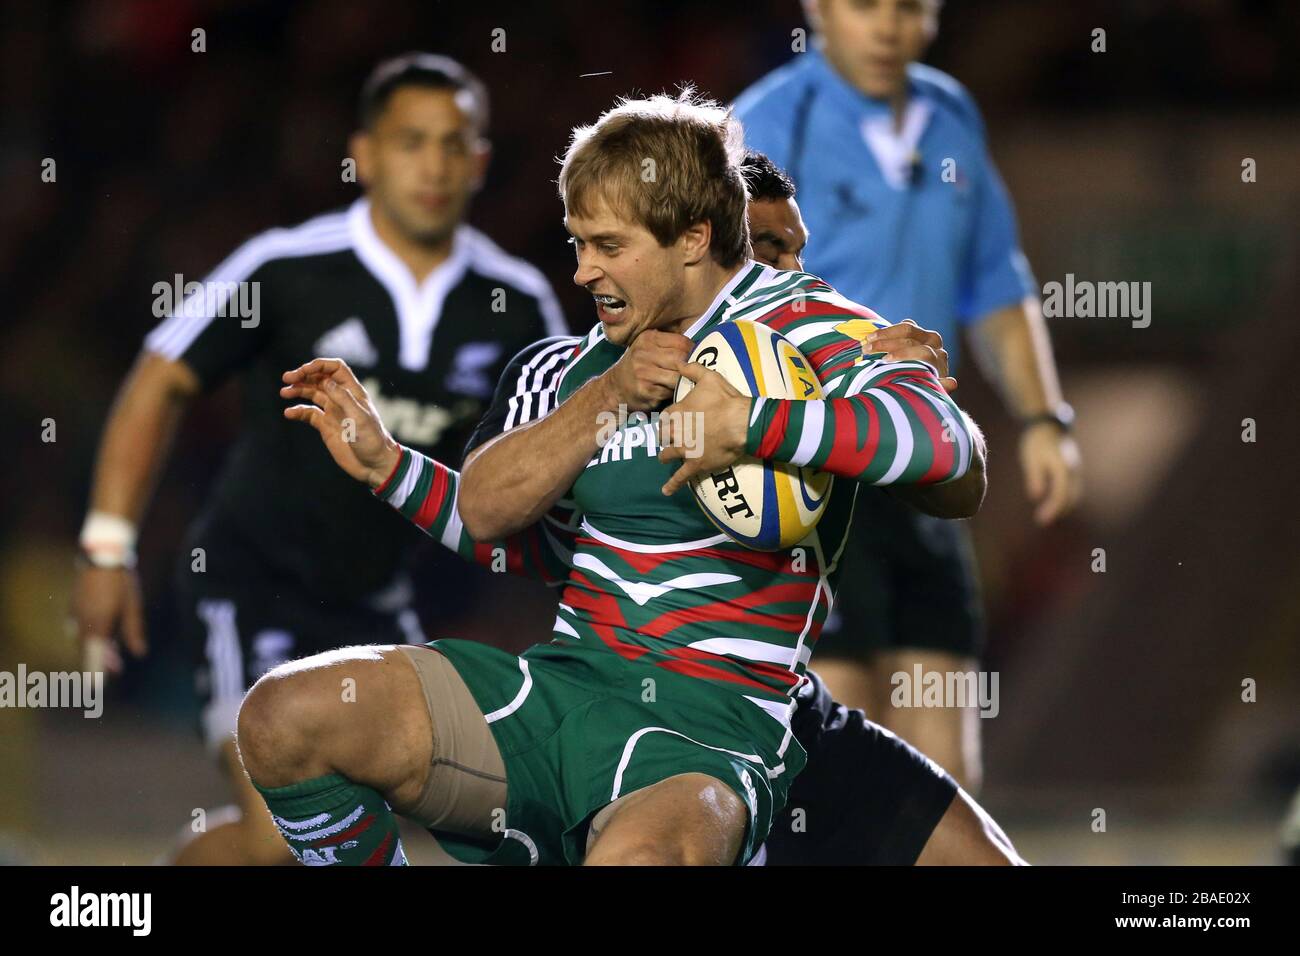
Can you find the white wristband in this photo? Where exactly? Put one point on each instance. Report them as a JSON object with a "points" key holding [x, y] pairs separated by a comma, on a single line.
{"points": [[108, 540]]}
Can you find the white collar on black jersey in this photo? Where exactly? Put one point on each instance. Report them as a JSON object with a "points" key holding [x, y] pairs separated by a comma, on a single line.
{"points": [[418, 307]]}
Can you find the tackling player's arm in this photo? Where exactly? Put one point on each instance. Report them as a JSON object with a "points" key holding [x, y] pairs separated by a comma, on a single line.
{"points": [[906, 341], [513, 480], [959, 498], [880, 423], [132, 451]]}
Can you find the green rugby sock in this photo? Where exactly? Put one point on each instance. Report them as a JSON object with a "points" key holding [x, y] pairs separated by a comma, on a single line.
{"points": [[331, 821]]}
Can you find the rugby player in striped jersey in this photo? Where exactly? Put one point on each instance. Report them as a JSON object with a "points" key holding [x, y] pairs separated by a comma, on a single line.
{"points": [[655, 727], [874, 799]]}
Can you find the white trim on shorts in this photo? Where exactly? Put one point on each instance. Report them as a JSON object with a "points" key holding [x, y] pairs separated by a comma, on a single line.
{"points": [[520, 697]]}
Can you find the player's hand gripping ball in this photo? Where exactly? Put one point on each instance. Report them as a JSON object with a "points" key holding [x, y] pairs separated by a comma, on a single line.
{"points": [[764, 505]]}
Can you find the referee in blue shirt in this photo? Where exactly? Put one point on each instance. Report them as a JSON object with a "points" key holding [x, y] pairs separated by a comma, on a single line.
{"points": [[907, 215]]}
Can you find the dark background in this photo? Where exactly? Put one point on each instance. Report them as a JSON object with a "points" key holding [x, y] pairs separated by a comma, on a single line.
{"points": [[1119, 690]]}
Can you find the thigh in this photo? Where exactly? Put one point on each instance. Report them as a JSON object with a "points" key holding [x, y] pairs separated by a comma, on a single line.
{"points": [[465, 790], [688, 819], [399, 719]]}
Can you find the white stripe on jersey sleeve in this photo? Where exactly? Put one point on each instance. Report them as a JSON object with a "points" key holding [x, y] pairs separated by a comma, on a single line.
{"points": [[451, 533], [814, 423], [177, 332], [398, 496], [867, 374], [959, 433], [537, 379], [902, 434], [802, 334], [547, 372], [512, 412]]}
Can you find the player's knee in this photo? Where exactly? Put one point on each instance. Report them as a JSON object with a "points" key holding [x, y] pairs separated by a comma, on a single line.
{"points": [[649, 852], [642, 853], [281, 721], [690, 820]]}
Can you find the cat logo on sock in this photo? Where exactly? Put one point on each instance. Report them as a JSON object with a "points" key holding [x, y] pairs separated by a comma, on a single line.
{"points": [[325, 857]]}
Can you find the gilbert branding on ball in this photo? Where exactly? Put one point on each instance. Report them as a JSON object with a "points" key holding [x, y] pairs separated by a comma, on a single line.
{"points": [[764, 505]]}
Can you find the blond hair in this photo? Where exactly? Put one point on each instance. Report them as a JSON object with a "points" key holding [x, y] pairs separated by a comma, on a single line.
{"points": [[668, 162]]}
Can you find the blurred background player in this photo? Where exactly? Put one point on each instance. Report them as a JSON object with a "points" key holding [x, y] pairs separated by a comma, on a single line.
{"points": [[906, 212], [428, 309]]}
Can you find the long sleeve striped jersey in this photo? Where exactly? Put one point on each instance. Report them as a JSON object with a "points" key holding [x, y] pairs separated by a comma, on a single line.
{"points": [[647, 577]]}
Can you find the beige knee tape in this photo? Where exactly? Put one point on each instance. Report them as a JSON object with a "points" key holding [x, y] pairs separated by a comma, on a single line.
{"points": [[467, 778]]}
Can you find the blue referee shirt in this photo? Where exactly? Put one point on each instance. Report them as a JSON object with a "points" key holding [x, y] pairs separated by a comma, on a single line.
{"points": [[913, 224]]}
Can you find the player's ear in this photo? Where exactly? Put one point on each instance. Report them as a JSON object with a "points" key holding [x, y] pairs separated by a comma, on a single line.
{"points": [[694, 241], [361, 149], [482, 157]]}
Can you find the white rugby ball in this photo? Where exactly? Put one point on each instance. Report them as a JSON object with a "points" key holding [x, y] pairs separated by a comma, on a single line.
{"points": [[764, 505]]}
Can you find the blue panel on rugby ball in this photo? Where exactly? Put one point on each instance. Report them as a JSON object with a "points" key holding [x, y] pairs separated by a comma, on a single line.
{"points": [[764, 505]]}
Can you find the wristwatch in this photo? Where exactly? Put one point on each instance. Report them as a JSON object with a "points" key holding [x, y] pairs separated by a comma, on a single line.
{"points": [[1062, 417]]}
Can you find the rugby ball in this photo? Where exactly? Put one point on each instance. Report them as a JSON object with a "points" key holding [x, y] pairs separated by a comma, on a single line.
{"points": [[764, 505]]}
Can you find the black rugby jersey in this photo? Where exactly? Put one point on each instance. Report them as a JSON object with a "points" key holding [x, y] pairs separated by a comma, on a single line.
{"points": [[526, 390], [430, 356]]}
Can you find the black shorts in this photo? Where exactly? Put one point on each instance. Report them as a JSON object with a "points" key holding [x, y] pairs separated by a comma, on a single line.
{"points": [[865, 797], [908, 580], [239, 626]]}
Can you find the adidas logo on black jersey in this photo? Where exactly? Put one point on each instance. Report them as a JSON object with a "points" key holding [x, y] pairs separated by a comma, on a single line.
{"points": [[349, 342]]}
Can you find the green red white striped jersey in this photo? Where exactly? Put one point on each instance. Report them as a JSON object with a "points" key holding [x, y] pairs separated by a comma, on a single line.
{"points": [[425, 491], [648, 577]]}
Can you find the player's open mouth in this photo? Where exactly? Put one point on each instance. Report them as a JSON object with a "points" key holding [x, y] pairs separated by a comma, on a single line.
{"points": [[607, 303]]}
